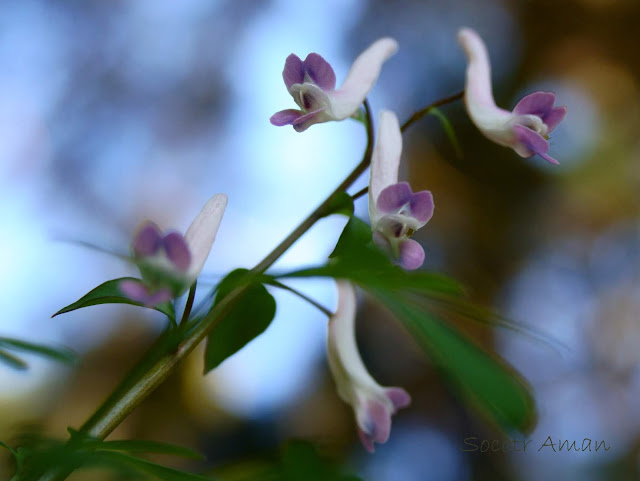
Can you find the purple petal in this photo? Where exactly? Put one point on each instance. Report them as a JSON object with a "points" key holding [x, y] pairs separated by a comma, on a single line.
{"points": [[378, 421], [285, 117], [411, 254], [553, 118], [138, 292], [548, 158], [134, 290], [367, 441], [399, 397], [421, 206], [177, 251], [293, 72], [533, 141], [159, 297], [147, 241], [320, 71], [393, 197], [305, 121], [536, 103]]}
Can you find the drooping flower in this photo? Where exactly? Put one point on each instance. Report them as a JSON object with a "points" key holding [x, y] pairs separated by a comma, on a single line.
{"points": [[395, 211], [527, 127], [312, 84], [372, 404], [170, 263]]}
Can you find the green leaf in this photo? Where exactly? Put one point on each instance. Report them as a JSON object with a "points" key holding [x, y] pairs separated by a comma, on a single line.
{"points": [[248, 318], [341, 203], [448, 128], [9, 448], [302, 461], [483, 379], [134, 446], [12, 361], [357, 259], [161, 472], [109, 293], [58, 354]]}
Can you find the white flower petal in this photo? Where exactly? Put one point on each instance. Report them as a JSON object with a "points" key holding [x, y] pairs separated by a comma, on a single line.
{"points": [[478, 96], [385, 161], [363, 74], [202, 232], [345, 363]]}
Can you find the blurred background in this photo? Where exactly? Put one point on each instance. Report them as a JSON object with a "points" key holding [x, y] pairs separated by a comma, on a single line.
{"points": [[114, 112]]}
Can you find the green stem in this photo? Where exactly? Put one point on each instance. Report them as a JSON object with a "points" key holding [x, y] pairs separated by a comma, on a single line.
{"points": [[189, 305], [135, 388], [302, 296], [422, 112]]}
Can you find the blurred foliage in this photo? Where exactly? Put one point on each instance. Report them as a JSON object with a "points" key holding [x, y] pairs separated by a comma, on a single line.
{"points": [[12, 360], [488, 383]]}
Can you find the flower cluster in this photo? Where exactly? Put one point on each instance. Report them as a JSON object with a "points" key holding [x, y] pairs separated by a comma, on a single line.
{"points": [[395, 211]]}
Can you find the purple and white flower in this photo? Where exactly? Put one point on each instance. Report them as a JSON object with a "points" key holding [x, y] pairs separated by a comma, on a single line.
{"points": [[527, 127], [395, 211], [170, 263], [372, 404], [312, 84]]}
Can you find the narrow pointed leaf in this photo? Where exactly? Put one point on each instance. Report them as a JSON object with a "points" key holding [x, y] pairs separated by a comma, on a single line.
{"points": [[160, 472], [12, 361], [357, 259], [58, 354], [135, 446], [482, 379], [448, 129], [109, 293]]}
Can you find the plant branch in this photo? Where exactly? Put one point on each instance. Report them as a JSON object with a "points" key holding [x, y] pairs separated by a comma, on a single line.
{"points": [[189, 305], [135, 388], [302, 296], [421, 113]]}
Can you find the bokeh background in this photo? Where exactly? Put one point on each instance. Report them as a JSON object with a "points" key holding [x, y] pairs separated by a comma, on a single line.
{"points": [[112, 112]]}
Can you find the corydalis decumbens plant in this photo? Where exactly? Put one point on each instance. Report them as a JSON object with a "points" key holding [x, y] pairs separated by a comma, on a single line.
{"points": [[243, 307], [312, 84], [527, 127], [170, 263]]}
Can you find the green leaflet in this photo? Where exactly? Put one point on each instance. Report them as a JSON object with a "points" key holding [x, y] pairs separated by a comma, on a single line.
{"points": [[248, 317], [481, 378], [109, 293]]}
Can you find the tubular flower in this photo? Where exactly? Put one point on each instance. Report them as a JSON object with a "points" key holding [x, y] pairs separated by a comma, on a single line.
{"points": [[373, 404], [527, 127], [312, 84], [395, 211], [170, 263]]}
